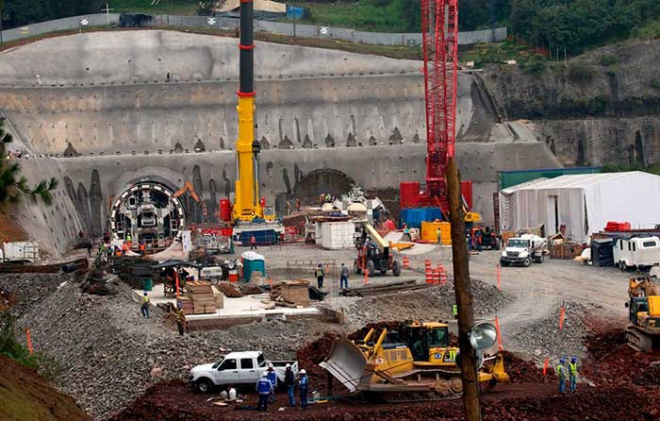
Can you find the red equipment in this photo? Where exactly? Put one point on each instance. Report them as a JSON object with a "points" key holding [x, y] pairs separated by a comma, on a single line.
{"points": [[440, 45]]}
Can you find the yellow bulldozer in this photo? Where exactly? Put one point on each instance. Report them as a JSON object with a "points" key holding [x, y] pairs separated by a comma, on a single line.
{"points": [[412, 358]]}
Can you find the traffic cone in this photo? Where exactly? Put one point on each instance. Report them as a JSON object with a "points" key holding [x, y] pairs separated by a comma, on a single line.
{"points": [[406, 262], [428, 272]]}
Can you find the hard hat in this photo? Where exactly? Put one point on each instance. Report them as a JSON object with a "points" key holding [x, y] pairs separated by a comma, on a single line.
{"points": [[270, 368], [288, 365], [146, 293], [264, 374], [562, 360], [574, 359], [303, 371]]}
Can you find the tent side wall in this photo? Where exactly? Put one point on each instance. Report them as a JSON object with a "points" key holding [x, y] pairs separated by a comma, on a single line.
{"points": [[634, 199]]}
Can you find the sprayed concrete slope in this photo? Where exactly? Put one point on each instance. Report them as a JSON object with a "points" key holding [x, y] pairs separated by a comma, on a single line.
{"points": [[104, 98]]}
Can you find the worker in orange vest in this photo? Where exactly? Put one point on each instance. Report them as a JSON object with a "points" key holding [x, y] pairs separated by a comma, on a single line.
{"points": [[142, 247], [124, 248]]}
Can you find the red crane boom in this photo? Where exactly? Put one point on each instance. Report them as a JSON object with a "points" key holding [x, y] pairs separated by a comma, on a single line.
{"points": [[440, 46]]}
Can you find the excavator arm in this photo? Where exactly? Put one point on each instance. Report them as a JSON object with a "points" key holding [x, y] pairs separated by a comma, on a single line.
{"points": [[188, 187]]}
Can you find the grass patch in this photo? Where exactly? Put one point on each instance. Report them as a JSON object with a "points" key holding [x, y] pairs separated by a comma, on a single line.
{"points": [[362, 16], [499, 53], [650, 30], [171, 7]]}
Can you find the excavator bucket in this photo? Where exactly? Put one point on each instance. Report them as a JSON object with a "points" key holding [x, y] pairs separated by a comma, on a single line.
{"points": [[346, 363]]}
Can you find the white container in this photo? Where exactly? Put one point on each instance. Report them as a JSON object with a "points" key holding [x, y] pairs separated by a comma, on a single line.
{"points": [[20, 251], [337, 235]]}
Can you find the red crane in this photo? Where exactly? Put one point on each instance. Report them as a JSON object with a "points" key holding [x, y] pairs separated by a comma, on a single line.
{"points": [[440, 46]]}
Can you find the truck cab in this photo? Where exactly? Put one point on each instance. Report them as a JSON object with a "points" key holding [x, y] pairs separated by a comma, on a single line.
{"points": [[236, 368]]}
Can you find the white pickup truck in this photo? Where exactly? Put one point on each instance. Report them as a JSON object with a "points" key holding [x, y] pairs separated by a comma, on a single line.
{"points": [[236, 368]]}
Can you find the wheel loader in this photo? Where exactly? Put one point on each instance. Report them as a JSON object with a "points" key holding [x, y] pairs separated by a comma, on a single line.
{"points": [[643, 332], [413, 362]]}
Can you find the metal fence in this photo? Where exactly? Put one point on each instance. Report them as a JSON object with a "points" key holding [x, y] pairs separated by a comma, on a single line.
{"points": [[281, 28]]}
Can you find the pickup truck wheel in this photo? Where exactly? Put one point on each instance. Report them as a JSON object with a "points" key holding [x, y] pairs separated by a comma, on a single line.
{"points": [[204, 386], [504, 263], [527, 261], [623, 266]]}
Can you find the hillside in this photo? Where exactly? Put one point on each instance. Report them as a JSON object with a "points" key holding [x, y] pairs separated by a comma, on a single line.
{"points": [[26, 396]]}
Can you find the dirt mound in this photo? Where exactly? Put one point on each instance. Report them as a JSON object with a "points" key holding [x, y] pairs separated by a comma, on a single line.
{"points": [[522, 371], [24, 395]]}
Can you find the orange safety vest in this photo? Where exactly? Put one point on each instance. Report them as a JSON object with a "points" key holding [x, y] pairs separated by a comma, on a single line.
{"points": [[143, 247], [124, 247]]}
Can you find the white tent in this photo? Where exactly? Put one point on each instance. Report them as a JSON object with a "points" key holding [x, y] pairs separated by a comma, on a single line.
{"points": [[583, 203]]}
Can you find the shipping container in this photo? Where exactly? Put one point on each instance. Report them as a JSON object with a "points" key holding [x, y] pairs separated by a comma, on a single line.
{"points": [[413, 217], [430, 232], [337, 235]]}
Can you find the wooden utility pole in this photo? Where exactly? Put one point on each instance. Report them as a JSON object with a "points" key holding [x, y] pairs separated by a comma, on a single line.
{"points": [[463, 295]]}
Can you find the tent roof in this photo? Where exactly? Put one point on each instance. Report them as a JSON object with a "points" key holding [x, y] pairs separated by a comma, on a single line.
{"points": [[577, 181], [259, 6]]}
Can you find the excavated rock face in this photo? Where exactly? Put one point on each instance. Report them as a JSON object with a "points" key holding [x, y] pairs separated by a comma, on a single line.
{"points": [[587, 113]]}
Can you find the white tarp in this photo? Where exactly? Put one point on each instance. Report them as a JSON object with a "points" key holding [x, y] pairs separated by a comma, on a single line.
{"points": [[583, 203]]}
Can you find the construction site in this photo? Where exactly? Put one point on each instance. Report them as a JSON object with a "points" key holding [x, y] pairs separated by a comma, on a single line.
{"points": [[368, 237]]}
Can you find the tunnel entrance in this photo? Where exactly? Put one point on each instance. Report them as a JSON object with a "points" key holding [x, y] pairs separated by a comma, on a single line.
{"points": [[149, 212], [321, 181]]}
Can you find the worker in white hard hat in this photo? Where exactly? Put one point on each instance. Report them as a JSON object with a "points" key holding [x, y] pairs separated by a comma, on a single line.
{"points": [[290, 382], [264, 388], [303, 385]]}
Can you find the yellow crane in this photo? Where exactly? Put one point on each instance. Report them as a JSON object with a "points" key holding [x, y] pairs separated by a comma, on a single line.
{"points": [[247, 203]]}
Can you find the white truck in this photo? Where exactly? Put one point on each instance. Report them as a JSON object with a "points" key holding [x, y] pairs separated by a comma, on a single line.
{"points": [[636, 252], [237, 368], [523, 250], [19, 252]]}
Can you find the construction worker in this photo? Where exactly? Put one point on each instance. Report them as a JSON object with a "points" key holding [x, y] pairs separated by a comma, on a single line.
{"points": [[303, 385], [454, 311], [343, 278], [253, 243], [288, 207], [573, 373], [272, 378], [290, 382], [145, 305], [180, 320], [438, 235], [319, 276], [264, 388], [124, 249], [406, 233], [561, 373], [143, 248], [297, 204], [129, 240]]}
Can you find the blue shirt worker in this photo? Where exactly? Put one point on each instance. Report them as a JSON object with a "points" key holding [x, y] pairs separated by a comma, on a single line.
{"points": [[290, 382], [303, 385], [343, 280], [561, 373], [573, 373], [264, 388], [272, 378]]}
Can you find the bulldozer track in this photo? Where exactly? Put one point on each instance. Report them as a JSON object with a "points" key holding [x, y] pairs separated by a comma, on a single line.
{"points": [[408, 397]]}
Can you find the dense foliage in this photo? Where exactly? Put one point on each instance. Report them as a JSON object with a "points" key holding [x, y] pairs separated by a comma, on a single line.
{"points": [[22, 12]]}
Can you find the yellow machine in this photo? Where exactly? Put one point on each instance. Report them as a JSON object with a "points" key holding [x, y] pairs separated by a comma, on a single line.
{"points": [[417, 357], [643, 332]]}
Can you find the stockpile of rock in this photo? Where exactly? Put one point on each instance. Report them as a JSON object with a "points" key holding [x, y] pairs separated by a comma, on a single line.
{"points": [[430, 304], [31, 288], [542, 338], [111, 354]]}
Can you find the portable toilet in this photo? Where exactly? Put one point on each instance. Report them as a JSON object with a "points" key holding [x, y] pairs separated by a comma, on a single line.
{"points": [[253, 262]]}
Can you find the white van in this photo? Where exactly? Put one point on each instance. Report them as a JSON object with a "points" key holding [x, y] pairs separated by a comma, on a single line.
{"points": [[637, 252]]}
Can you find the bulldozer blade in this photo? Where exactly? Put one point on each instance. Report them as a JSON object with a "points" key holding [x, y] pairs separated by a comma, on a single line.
{"points": [[346, 363]]}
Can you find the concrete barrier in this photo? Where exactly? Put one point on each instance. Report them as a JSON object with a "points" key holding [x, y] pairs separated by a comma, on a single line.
{"points": [[281, 28]]}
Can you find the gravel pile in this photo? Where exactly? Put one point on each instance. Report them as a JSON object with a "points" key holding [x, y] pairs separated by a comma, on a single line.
{"points": [[31, 288], [543, 338], [111, 354], [429, 304]]}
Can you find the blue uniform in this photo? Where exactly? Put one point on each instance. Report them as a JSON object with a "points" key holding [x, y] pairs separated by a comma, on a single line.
{"points": [[561, 373], [272, 378], [265, 388], [572, 372], [303, 384]]}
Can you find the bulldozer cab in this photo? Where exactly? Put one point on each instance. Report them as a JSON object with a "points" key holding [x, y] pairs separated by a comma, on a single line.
{"points": [[423, 340]]}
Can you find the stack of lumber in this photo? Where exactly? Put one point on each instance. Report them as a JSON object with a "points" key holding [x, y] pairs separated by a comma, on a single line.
{"points": [[229, 290], [566, 250], [200, 298], [132, 270], [290, 293]]}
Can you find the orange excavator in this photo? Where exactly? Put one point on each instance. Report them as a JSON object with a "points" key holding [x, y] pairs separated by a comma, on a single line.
{"points": [[188, 187]]}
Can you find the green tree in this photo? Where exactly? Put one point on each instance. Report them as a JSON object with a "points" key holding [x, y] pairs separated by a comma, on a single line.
{"points": [[12, 184]]}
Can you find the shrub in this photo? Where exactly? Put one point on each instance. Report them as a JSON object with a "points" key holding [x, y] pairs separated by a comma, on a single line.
{"points": [[608, 60]]}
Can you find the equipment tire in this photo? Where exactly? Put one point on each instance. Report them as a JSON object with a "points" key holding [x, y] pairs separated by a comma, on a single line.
{"points": [[623, 266], [356, 267], [527, 261], [396, 268], [539, 259], [204, 386], [371, 267], [504, 263]]}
